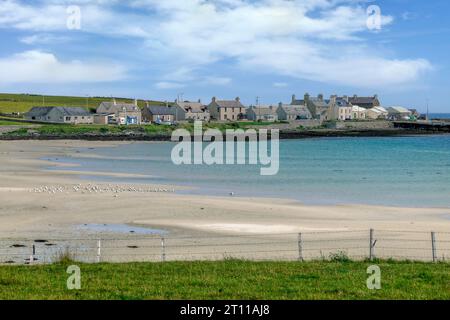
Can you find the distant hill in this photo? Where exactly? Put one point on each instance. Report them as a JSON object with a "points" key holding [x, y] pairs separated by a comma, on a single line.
{"points": [[10, 103]]}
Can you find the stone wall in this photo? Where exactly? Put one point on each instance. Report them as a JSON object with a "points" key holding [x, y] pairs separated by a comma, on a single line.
{"points": [[342, 125]]}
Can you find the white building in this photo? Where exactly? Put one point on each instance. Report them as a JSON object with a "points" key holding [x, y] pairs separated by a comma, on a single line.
{"points": [[377, 113], [359, 113]]}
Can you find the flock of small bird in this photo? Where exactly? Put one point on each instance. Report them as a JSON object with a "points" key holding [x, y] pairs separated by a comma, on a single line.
{"points": [[90, 188]]}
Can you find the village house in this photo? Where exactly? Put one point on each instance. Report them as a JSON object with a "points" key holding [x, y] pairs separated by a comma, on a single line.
{"points": [[262, 113], [377, 113], [399, 113], [287, 112], [192, 111], [160, 114], [119, 113], [318, 107], [365, 102], [227, 110], [340, 109], [69, 115], [359, 113]]}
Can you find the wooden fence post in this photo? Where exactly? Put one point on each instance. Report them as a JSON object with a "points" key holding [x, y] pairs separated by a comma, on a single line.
{"points": [[433, 246], [99, 251], [371, 245], [33, 253], [163, 249], [300, 247]]}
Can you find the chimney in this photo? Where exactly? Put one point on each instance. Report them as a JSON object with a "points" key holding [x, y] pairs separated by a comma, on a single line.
{"points": [[333, 99], [320, 96], [306, 97], [293, 98]]}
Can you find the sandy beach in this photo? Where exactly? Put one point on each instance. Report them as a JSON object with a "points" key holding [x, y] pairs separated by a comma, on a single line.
{"points": [[30, 211]]}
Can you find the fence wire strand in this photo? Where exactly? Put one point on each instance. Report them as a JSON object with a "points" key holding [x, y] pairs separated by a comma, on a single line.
{"points": [[356, 244]]}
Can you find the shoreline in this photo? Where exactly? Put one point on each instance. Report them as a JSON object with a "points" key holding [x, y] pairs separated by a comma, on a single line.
{"points": [[284, 135]]}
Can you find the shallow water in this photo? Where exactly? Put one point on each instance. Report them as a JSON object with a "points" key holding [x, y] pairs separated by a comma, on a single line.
{"points": [[120, 228], [399, 171]]}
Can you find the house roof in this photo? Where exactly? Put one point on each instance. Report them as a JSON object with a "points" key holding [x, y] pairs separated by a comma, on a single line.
{"points": [[194, 107], [295, 110], [66, 111], [264, 110], [358, 109], [319, 102], [341, 102], [161, 110], [114, 107], [298, 102], [38, 111], [362, 100], [229, 104], [398, 110], [379, 110]]}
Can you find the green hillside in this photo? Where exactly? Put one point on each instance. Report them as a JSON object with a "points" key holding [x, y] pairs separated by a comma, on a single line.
{"points": [[11, 103]]}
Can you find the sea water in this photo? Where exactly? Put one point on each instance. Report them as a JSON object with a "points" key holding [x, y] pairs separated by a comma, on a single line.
{"points": [[396, 171]]}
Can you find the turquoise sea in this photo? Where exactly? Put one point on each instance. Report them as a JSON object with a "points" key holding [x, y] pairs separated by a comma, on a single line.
{"points": [[400, 171]]}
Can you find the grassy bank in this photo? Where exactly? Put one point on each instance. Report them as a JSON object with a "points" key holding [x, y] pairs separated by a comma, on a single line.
{"points": [[10, 103], [228, 280], [152, 129]]}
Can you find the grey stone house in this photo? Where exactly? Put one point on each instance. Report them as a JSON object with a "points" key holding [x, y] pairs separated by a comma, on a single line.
{"points": [[160, 114], [227, 110], [318, 106], [70, 115], [287, 112], [192, 111], [365, 102], [120, 113], [262, 113]]}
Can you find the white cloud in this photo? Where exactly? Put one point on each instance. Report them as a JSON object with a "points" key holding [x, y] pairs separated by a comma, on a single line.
{"points": [[216, 81], [166, 85], [280, 84], [43, 38], [320, 40], [42, 67]]}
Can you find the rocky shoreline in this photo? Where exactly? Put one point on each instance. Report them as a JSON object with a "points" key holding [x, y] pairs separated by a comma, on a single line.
{"points": [[284, 134]]}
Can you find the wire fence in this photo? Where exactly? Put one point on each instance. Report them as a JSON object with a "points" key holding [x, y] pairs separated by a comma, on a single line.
{"points": [[355, 245]]}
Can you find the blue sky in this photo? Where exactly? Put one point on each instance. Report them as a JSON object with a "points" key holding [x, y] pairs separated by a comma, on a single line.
{"points": [[270, 49]]}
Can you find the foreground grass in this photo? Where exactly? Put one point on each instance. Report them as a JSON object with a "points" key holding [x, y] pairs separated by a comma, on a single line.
{"points": [[228, 280]]}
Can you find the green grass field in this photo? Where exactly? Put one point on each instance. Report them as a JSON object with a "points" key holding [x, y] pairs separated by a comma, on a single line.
{"points": [[152, 129], [68, 130], [228, 280], [10, 103]]}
